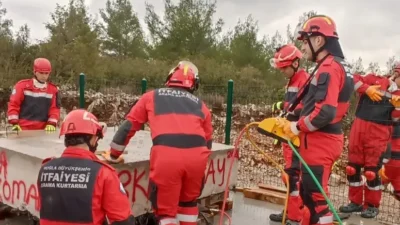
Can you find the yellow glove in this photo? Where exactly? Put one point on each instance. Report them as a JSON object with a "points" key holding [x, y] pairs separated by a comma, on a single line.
{"points": [[383, 176], [374, 93], [395, 101], [285, 125], [107, 156], [50, 128], [16, 127], [277, 106], [276, 142]]}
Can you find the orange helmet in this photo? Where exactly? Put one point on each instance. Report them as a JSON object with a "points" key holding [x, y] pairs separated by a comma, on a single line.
{"points": [[41, 65], [80, 121], [285, 55], [185, 75], [317, 25]]}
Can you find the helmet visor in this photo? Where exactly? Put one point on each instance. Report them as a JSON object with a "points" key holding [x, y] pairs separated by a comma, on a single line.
{"points": [[191, 66]]}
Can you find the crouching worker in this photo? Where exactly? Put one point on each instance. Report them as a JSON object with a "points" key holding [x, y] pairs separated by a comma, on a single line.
{"points": [[77, 188], [181, 131], [286, 59]]}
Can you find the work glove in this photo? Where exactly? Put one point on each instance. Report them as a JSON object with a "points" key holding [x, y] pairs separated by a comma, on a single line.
{"points": [[374, 93], [112, 160], [384, 178], [16, 127], [276, 142], [395, 100], [50, 128], [285, 125], [277, 106]]}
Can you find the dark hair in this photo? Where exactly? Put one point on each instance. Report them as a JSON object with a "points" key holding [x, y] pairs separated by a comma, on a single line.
{"points": [[76, 139]]}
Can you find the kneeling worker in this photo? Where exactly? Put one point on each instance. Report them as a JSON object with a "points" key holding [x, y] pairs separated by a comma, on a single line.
{"points": [[77, 188]]}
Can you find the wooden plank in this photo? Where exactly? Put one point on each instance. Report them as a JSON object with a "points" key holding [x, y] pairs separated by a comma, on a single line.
{"points": [[272, 188], [265, 195], [238, 189]]}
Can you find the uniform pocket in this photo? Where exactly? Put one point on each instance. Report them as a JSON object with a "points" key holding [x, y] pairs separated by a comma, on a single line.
{"points": [[322, 87]]}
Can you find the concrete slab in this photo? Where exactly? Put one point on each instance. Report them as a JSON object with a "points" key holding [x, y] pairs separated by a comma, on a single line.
{"points": [[21, 156]]}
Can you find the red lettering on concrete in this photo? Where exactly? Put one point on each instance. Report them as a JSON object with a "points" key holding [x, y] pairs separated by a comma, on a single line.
{"points": [[134, 179], [221, 170], [13, 190], [211, 171]]}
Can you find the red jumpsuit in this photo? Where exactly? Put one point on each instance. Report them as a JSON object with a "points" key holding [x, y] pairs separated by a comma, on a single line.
{"points": [[369, 135], [320, 123], [292, 163], [33, 108], [181, 131], [392, 167], [79, 189]]}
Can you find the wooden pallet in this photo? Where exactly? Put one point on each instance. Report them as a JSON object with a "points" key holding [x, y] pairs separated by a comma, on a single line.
{"points": [[266, 193]]}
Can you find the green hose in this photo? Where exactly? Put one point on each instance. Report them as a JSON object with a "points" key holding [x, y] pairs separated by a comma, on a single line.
{"points": [[317, 183]]}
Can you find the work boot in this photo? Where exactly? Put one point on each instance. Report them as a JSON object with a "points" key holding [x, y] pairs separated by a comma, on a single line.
{"points": [[278, 217], [370, 212], [350, 208], [291, 222]]}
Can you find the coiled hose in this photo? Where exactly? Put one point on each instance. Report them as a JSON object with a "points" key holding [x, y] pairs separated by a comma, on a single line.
{"points": [[277, 165]]}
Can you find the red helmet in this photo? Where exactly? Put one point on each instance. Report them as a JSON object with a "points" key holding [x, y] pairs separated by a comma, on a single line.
{"points": [[80, 121], [317, 25], [285, 56], [185, 74], [41, 65]]}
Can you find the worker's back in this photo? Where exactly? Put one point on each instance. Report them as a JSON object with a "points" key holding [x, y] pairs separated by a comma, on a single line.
{"points": [[78, 189], [177, 118]]}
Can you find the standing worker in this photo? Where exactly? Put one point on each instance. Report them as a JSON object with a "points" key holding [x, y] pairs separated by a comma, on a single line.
{"points": [[320, 125], [390, 172], [287, 60], [181, 131], [35, 103], [77, 188], [369, 137]]}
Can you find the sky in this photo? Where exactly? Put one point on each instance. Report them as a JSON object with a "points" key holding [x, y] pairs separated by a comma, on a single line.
{"points": [[367, 28]]}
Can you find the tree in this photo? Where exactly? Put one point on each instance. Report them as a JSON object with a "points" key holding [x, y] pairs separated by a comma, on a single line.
{"points": [[187, 29], [357, 66], [374, 67], [390, 64], [73, 45], [244, 47], [122, 33]]}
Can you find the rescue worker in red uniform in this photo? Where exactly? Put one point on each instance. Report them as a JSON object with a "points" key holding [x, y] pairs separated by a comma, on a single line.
{"points": [[390, 171], [78, 188], [320, 124], [181, 132], [287, 60], [35, 103], [369, 137]]}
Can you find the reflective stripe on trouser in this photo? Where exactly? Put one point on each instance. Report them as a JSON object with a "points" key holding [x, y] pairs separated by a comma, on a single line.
{"points": [[368, 143], [187, 215], [168, 221]]}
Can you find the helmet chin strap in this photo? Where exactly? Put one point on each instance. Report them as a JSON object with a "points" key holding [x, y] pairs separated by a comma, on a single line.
{"points": [[313, 52]]}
